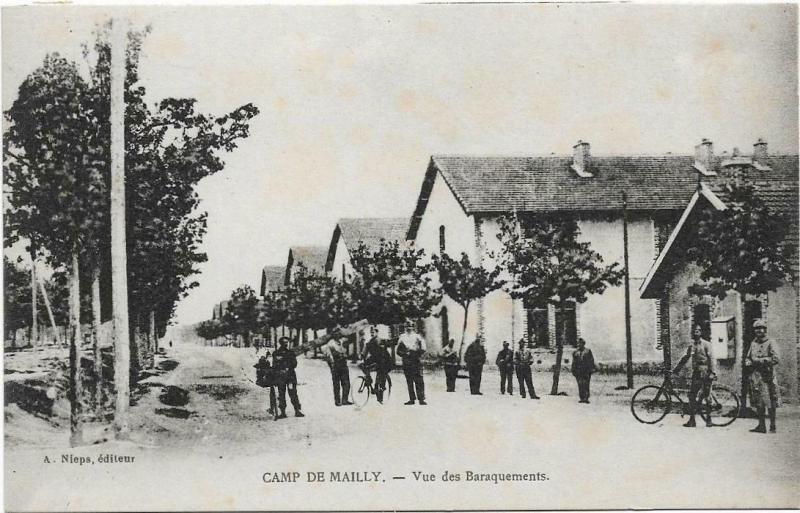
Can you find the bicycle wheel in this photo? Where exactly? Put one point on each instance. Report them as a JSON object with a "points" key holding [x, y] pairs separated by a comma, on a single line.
{"points": [[650, 404], [721, 407], [359, 395]]}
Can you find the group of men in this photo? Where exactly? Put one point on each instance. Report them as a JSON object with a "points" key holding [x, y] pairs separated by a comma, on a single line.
{"points": [[760, 362]]}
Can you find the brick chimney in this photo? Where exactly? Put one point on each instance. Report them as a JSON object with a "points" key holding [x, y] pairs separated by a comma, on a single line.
{"points": [[581, 159], [760, 155], [703, 157]]}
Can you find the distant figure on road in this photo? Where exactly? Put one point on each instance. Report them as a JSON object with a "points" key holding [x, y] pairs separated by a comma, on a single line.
{"points": [[582, 368], [450, 361], [265, 377], [523, 359], [762, 357], [410, 346], [704, 371], [475, 357], [284, 362], [340, 374], [377, 357], [505, 364]]}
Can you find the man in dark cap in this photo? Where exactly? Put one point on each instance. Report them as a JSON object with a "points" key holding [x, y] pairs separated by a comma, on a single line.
{"points": [[475, 357], [505, 364], [284, 361], [704, 371]]}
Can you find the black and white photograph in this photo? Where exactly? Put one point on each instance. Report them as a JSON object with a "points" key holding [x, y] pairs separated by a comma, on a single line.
{"points": [[455, 256]]}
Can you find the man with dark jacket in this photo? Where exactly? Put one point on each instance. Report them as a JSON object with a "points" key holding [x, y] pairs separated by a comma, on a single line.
{"points": [[377, 357], [582, 368], [284, 361], [505, 364], [449, 358], [265, 377], [410, 347], [475, 357], [523, 359]]}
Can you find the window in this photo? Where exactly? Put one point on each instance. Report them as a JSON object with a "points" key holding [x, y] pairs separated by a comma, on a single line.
{"points": [[538, 327], [445, 326], [442, 241], [566, 320]]}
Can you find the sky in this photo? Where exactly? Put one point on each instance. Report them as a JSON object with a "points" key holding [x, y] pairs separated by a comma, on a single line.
{"points": [[355, 99]]}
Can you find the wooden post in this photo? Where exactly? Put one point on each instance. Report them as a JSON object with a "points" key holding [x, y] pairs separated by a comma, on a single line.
{"points": [[48, 307], [151, 342], [98, 361], [628, 342], [119, 266]]}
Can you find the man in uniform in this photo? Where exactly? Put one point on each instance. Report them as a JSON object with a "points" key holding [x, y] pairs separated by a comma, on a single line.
{"points": [[340, 373], [475, 357], [265, 378], [523, 359], [377, 357], [582, 368], [284, 361], [449, 358], [505, 364], [410, 347], [762, 357], [704, 371]]}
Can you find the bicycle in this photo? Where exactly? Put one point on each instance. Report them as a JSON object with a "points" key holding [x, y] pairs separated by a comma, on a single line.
{"points": [[651, 403], [359, 394]]}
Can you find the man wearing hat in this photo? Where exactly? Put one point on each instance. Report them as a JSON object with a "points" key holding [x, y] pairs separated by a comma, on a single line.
{"points": [[340, 374], [475, 357], [410, 347], [505, 364], [284, 362], [704, 371], [762, 357]]}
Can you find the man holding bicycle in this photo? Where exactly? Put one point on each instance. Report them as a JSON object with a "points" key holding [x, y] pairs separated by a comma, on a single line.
{"points": [[376, 357], [704, 371]]}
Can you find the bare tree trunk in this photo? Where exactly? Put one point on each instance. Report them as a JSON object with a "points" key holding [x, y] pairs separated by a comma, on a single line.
{"points": [[49, 309], [76, 429], [98, 362], [34, 305], [119, 266], [559, 350], [463, 333], [153, 339], [739, 316]]}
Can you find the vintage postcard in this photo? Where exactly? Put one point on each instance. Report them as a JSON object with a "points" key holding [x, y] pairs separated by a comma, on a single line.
{"points": [[412, 257]]}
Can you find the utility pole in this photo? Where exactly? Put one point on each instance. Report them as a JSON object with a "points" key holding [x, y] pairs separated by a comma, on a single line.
{"points": [[47, 306], [119, 266], [628, 343]]}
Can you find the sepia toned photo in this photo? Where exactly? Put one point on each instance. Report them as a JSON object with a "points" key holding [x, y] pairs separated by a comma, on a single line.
{"points": [[408, 257]]}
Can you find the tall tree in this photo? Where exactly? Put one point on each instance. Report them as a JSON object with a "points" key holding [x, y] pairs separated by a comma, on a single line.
{"points": [[549, 264], [243, 313], [742, 249], [56, 188], [393, 283], [465, 283]]}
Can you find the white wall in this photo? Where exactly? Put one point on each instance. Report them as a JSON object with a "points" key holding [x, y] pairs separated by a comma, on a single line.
{"points": [[342, 256]]}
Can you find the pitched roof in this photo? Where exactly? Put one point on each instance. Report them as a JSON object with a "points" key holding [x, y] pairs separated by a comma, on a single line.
{"points": [[780, 196], [548, 183], [369, 230], [312, 257], [272, 277]]}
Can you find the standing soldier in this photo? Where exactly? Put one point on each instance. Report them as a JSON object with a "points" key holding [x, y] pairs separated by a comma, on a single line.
{"points": [[377, 357], [284, 362], [582, 368], [265, 378], [762, 357], [475, 357], [703, 372], [523, 359], [449, 358], [505, 364], [340, 374], [410, 346]]}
